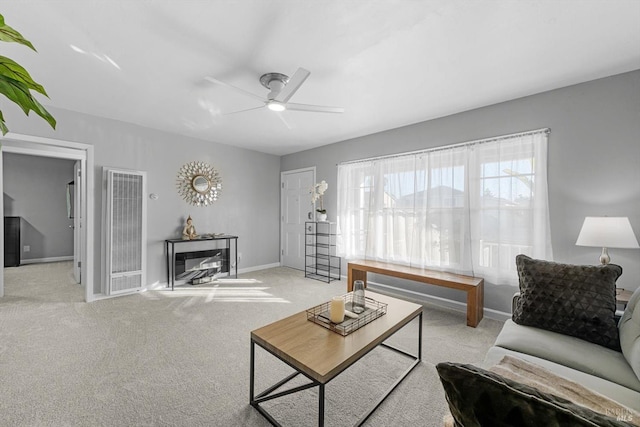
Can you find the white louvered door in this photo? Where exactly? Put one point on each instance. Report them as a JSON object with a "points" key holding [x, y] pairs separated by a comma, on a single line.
{"points": [[125, 231]]}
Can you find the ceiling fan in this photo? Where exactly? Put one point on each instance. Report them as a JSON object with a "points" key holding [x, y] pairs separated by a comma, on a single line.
{"points": [[281, 89]]}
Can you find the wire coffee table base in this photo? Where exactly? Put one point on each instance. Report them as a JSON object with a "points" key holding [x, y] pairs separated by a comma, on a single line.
{"points": [[269, 393]]}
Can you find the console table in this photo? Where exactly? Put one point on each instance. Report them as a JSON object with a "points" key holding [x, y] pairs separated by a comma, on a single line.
{"points": [[173, 246]]}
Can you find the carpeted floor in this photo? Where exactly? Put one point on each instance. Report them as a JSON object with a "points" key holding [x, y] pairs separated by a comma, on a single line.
{"points": [[162, 358]]}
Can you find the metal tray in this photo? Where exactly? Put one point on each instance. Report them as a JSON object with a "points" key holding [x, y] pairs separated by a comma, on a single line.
{"points": [[320, 315]]}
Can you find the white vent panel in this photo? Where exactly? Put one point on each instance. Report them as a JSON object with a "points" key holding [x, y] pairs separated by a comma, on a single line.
{"points": [[125, 230]]}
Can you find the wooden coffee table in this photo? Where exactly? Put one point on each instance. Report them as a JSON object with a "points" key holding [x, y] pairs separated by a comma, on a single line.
{"points": [[321, 354]]}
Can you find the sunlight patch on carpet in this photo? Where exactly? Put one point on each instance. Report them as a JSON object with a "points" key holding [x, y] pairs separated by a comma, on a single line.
{"points": [[217, 293]]}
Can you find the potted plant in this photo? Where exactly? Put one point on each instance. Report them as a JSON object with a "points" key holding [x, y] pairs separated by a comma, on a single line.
{"points": [[16, 83], [317, 193]]}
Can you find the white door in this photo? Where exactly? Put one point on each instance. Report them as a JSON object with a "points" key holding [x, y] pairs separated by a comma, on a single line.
{"points": [[77, 222], [295, 208]]}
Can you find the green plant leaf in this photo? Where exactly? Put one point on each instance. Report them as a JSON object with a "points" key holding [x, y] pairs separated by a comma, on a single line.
{"points": [[3, 126], [15, 91], [15, 81], [19, 93], [8, 34], [15, 71], [42, 112]]}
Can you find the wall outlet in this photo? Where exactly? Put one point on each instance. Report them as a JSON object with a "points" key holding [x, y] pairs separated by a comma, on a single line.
{"points": [[27, 249], [239, 257]]}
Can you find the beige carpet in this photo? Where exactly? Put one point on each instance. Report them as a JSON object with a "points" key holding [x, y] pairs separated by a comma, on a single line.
{"points": [[162, 358]]}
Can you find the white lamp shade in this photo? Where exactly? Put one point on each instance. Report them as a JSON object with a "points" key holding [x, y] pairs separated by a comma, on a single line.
{"points": [[607, 232]]}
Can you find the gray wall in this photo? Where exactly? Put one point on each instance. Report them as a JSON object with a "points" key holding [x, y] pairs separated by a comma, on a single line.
{"points": [[594, 162], [250, 202], [35, 189]]}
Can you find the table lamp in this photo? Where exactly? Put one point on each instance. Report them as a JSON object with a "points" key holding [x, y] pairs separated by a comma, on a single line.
{"points": [[607, 232]]}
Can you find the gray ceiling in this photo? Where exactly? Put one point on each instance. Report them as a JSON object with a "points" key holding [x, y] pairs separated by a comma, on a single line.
{"points": [[389, 63]]}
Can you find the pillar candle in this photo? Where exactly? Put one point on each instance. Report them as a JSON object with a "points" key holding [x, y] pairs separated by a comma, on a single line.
{"points": [[336, 310]]}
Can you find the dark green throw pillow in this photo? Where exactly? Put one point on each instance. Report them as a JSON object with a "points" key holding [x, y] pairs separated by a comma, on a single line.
{"points": [[575, 300], [477, 397]]}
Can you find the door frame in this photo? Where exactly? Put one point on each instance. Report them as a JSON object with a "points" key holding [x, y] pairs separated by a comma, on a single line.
{"points": [[77, 221], [47, 147], [311, 169]]}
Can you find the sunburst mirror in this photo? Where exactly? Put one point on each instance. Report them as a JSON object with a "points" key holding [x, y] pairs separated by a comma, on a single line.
{"points": [[199, 183]]}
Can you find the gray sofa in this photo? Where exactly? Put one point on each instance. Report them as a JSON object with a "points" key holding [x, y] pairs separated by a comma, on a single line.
{"points": [[563, 359], [614, 374]]}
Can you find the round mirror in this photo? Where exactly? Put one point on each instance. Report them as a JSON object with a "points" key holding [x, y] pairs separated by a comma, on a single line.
{"points": [[200, 184]]}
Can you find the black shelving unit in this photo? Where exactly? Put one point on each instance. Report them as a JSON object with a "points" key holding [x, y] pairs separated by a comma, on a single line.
{"points": [[11, 241], [321, 263]]}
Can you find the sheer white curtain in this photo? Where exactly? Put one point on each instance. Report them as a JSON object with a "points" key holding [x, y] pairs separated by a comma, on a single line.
{"points": [[468, 208], [510, 212], [442, 211]]}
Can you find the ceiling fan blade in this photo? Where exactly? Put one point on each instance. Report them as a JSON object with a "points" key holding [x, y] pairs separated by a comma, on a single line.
{"points": [[242, 91], [314, 108], [242, 111], [293, 85]]}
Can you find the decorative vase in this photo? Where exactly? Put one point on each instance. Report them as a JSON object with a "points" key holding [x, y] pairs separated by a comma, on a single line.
{"points": [[322, 217]]}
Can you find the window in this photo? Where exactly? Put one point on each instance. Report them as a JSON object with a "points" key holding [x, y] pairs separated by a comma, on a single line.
{"points": [[469, 208]]}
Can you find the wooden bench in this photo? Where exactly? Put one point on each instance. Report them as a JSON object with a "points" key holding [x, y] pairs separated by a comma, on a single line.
{"points": [[473, 286]]}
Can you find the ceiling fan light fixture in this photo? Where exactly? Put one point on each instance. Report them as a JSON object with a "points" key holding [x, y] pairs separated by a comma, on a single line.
{"points": [[281, 89], [276, 106]]}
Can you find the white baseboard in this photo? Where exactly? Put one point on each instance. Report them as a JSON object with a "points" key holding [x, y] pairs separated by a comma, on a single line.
{"points": [[497, 314], [258, 267], [43, 260], [441, 302]]}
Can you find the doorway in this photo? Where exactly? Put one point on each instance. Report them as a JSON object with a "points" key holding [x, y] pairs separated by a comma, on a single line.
{"points": [[81, 153], [295, 208], [35, 198]]}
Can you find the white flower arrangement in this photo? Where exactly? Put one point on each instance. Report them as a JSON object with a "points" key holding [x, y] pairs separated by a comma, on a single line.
{"points": [[317, 191]]}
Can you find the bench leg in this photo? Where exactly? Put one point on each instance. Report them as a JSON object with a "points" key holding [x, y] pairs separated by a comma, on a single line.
{"points": [[475, 305], [352, 275]]}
